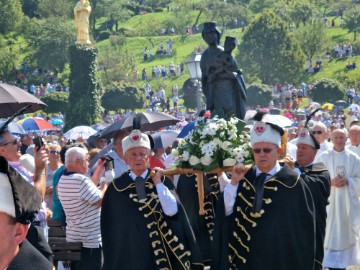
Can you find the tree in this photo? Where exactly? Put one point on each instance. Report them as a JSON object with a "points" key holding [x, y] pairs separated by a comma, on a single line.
{"points": [[113, 10], [181, 20], [8, 59], [312, 38], [58, 8], [257, 6], [301, 12], [11, 15], [259, 94], [352, 20], [48, 42], [269, 50], [327, 90], [224, 13], [56, 102], [122, 96], [29, 7]]}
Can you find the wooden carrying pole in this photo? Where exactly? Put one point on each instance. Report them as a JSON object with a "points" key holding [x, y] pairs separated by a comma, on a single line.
{"points": [[199, 180]]}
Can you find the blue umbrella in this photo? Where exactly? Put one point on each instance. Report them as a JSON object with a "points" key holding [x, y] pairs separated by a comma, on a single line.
{"points": [[14, 127], [186, 129], [57, 121]]}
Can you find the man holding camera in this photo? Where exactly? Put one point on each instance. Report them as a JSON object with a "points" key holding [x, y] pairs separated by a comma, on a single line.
{"points": [[81, 200], [9, 149]]}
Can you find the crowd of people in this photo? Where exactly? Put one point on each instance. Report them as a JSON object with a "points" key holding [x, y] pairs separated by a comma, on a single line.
{"points": [[245, 214]]}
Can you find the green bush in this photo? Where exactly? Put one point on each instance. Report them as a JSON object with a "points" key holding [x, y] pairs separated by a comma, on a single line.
{"points": [[259, 94], [56, 102], [103, 35], [159, 9], [327, 90]]}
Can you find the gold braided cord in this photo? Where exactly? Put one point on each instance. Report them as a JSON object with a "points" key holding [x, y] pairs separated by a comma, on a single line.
{"points": [[121, 190], [281, 183], [245, 217], [245, 200], [243, 229], [237, 254], [241, 243]]}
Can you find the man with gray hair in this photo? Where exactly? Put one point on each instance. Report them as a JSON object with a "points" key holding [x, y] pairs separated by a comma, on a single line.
{"points": [[319, 131], [81, 200]]}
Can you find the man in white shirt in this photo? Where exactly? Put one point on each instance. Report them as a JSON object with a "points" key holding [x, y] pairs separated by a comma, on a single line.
{"points": [[117, 154], [81, 200], [139, 216], [319, 131], [354, 136]]}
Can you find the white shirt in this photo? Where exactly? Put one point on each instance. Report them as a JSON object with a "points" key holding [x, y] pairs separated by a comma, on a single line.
{"points": [[230, 190], [120, 165], [78, 195], [166, 198]]}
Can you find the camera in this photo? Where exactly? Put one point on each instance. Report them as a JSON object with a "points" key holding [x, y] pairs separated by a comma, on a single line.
{"points": [[38, 142], [109, 164]]}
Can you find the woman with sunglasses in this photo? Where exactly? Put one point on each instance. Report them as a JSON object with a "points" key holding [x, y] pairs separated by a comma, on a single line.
{"points": [[54, 163]]}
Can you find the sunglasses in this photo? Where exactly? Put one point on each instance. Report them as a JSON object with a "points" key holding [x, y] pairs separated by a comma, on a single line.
{"points": [[12, 142], [265, 150], [54, 152], [317, 132]]}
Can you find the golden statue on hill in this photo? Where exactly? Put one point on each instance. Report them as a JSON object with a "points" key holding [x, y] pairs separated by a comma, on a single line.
{"points": [[82, 12]]}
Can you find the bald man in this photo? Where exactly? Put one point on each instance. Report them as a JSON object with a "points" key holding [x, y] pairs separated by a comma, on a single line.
{"points": [[354, 136]]}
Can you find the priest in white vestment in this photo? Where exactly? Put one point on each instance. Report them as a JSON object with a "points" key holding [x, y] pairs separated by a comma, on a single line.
{"points": [[354, 136], [343, 221]]}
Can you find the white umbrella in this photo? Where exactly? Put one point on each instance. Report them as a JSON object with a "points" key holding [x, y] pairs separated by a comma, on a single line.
{"points": [[315, 105], [279, 120], [80, 131], [164, 138], [248, 115]]}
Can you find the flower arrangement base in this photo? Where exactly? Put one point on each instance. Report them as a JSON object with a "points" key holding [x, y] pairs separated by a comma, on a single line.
{"points": [[199, 180]]}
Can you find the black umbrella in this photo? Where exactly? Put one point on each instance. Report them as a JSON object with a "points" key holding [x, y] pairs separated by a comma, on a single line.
{"points": [[150, 121], [13, 98], [341, 103]]}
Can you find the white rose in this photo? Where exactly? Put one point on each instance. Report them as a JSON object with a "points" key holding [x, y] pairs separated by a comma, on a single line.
{"points": [[229, 162], [186, 156], [175, 153], [225, 145], [206, 160], [194, 160]]}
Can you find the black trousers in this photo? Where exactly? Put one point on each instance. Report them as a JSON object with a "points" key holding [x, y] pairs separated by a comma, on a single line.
{"points": [[337, 269], [90, 259], [36, 237]]}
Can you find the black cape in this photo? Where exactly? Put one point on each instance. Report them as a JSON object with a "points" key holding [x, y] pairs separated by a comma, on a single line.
{"points": [[202, 225], [138, 235], [29, 258], [317, 177], [282, 238]]}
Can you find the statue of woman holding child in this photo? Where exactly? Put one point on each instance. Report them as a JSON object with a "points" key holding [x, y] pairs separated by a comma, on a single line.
{"points": [[222, 82], [82, 12]]}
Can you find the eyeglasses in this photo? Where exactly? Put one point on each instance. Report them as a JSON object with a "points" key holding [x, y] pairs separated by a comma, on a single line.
{"points": [[317, 132], [12, 142], [141, 156], [54, 152], [265, 150]]}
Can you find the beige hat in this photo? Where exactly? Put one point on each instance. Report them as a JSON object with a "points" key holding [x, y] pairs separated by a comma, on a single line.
{"points": [[27, 161], [7, 204], [136, 139], [305, 137], [264, 132]]}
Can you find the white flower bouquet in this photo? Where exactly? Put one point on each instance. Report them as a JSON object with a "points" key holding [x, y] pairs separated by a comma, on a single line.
{"points": [[214, 143]]}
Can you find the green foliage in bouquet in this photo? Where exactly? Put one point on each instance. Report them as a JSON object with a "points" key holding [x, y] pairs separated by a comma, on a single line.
{"points": [[214, 143]]}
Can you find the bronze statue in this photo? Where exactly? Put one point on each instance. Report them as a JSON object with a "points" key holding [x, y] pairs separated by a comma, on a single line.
{"points": [[222, 82], [82, 12]]}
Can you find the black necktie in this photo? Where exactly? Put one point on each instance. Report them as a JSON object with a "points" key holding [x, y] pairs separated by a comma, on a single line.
{"points": [[140, 187], [259, 192]]}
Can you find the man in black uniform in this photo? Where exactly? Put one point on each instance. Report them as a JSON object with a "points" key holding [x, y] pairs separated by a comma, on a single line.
{"points": [[317, 177], [19, 204], [267, 219], [142, 224]]}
